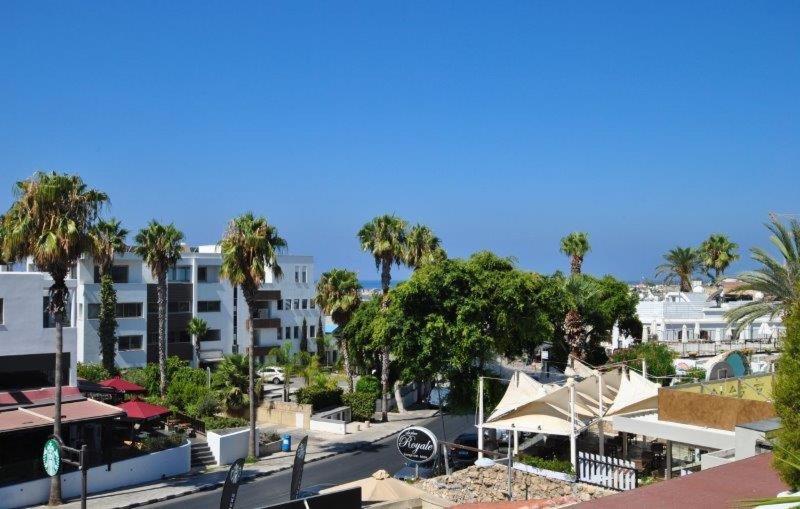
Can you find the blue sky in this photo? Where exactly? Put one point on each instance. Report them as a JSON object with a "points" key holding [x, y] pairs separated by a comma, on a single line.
{"points": [[502, 125]]}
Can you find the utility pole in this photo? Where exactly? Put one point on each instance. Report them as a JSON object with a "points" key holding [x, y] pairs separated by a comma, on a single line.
{"points": [[480, 417]]}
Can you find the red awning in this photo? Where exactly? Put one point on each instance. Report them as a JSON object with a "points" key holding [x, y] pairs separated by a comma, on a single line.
{"points": [[37, 416], [141, 410], [123, 385]]}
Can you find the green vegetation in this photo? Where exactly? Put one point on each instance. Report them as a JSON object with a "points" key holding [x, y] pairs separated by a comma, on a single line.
{"points": [[338, 296], [370, 385], [659, 358], [554, 464], [50, 221], [422, 247], [216, 422], [716, 254], [232, 381], [320, 397], [698, 374], [576, 245], [362, 404], [786, 396], [160, 247], [197, 328], [157, 443], [680, 264], [149, 375], [93, 371]]}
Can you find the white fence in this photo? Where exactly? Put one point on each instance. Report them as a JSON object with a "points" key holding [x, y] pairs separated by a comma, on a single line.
{"points": [[138, 470], [332, 421], [607, 472]]}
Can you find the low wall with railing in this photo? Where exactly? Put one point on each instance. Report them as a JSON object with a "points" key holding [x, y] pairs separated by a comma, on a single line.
{"points": [[332, 421], [138, 470]]}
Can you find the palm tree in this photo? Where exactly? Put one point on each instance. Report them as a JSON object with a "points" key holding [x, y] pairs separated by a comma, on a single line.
{"points": [[159, 245], [50, 222], [717, 253], [338, 295], [679, 264], [198, 328], [422, 247], [250, 247], [576, 245], [385, 237], [108, 239], [777, 280], [581, 290], [232, 380]]}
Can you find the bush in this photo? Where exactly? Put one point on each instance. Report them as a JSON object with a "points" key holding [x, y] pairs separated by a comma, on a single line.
{"points": [[160, 442], [320, 397], [148, 376], [362, 404], [695, 373], [93, 371], [369, 384], [553, 464], [786, 395], [658, 356], [215, 422], [206, 405]]}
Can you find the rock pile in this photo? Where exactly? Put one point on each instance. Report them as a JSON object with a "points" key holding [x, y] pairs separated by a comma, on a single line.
{"points": [[490, 484]]}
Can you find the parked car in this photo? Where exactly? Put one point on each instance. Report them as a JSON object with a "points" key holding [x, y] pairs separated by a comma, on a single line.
{"points": [[459, 457], [427, 470], [272, 374]]}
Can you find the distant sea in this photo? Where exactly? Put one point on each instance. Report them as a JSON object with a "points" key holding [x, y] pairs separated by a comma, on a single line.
{"points": [[375, 284]]}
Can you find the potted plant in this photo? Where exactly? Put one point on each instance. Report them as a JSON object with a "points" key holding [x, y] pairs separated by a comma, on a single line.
{"points": [[269, 442]]}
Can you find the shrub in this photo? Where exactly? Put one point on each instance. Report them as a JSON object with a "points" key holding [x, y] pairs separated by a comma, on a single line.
{"points": [[695, 373], [369, 384], [217, 422], [787, 402], [206, 405], [92, 371], [320, 397], [556, 465], [658, 356], [160, 442], [148, 376], [362, 404]]}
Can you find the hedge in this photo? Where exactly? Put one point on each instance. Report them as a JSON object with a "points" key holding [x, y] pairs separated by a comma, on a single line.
{"points": [[547, 464], [92, 371], [369, 384], [320, 397], [216, 422], [362, 405]]}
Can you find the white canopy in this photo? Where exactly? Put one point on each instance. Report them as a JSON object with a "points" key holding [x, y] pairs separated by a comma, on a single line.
{"points": [[636, 393], [521, 390]]}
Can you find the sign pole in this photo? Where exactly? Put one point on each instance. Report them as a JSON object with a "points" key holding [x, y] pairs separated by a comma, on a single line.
{"points": [[231, 486], [573, 446], [480, 417], [297, 468], [84, 467], [510, 488]]}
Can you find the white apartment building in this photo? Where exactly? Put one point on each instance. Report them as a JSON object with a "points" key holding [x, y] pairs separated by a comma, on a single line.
{"points": [[28, 335], [287, 310]]}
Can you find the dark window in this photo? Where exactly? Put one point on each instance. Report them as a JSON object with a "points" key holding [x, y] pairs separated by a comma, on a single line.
{"points": [[129, 342], [280, 333], [288, 333], [311, 330], [178, 336], [211, 335], [122, 310], [202, 274], [48, 321], [296, 331], [280, 304], [180, 274], [296, 304], [305, 304], [119, 273], [179, 306], [287, 304], [1, 311], [208, 306], [208, 274]]}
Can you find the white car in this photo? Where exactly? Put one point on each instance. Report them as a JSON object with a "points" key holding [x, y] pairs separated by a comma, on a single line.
{"points": [[272, 374]]}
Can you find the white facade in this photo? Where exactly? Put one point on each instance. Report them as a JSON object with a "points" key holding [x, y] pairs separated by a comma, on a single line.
{"points": [[25, 333]]}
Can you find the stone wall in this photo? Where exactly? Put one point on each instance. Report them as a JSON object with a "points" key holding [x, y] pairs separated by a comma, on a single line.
{"points": [[282, 413]]}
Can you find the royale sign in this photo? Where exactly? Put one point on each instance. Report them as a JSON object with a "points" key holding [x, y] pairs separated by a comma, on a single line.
{"points": [[417, 444]]}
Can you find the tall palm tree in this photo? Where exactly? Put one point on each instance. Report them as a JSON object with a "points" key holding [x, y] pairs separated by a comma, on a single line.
{"points": [[250, 247], [778, 280], [680, 264], [338, 295], [159, 245], [422, 247], [717, 253], [108, 239], [576, 245], [581, 290], [385, 238], [50, 221], [198, 328], [232, 380]]}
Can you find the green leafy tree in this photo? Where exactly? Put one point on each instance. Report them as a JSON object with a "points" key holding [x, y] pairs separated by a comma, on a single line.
{"points": [[338, 295], [250, 248], [304, 336], [575, 245], [232, 380], [659, 358], [159, 245], [50, 221], [385, 238], [358, 337], [422, 247], [777, 279], [716, 254], [680, 264], [786, 396], [198, 328], [320, 341], [93, 371], [108, 239]]}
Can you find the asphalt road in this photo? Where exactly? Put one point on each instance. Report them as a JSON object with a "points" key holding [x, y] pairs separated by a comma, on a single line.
{"points": [[338, 469]]}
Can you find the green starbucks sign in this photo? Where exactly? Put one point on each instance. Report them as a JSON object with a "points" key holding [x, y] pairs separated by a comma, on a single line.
{"points": [[51, 457]]}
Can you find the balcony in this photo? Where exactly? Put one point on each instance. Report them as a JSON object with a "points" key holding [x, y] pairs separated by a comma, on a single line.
{"points": [[266, 323]]}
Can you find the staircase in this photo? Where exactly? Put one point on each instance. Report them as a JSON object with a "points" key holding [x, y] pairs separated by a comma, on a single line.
{"points": [[201, 455]]}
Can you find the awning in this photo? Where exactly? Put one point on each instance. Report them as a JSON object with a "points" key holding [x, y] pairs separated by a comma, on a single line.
{"points": [[37, 416], [123, 385], [142, 411], [636, 393]]}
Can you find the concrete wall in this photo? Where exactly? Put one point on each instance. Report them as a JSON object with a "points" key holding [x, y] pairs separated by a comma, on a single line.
{"points": [[229, 445], [333, 421], [711, 411], [129, 472], [284, 414], [716, 458]]}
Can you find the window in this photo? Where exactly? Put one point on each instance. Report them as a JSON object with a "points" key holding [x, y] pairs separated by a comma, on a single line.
{"points": [[280, 304], [288, 333], [179, 274], [178, 306], [178, 336], [208, 306], [129, 343], [305, 274], [211, 335], [296, 331], [305, 303], [312, 303], [122, 310], [287, 304], [296, 273], [296, 304], [208, 274], [119, 273], [280, 333], [311, 331], [1, 312], [48, 321]]}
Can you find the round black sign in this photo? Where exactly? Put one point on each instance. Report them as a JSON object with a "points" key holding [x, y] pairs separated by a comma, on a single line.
{"points": [[417, 444]]}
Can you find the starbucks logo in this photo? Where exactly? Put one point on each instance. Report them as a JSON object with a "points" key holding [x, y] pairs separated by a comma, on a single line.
{"points": [[235, 473], [51, 457]]}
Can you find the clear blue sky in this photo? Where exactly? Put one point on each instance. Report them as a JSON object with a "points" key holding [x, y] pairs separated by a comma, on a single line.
{"points": [[502, 125]]}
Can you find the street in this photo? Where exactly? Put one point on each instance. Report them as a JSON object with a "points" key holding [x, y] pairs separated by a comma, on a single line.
{"points": [[331, 471]]}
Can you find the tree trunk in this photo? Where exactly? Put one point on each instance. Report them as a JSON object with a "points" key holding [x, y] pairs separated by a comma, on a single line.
{"points": [[161, 291], [57, 308], [574, 333], [386, 280], [346, 361], [686, 284], [401, 408], [251, 367], [575, 264]]}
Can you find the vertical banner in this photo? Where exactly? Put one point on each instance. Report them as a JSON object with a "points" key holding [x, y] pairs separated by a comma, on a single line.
{"points": [[297, 468], [231, 485]]}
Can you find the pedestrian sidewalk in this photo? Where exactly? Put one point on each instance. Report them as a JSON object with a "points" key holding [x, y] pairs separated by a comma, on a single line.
{"points": [[321, 445]]}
